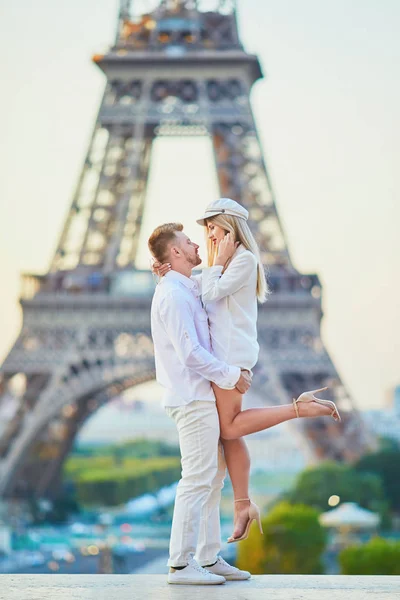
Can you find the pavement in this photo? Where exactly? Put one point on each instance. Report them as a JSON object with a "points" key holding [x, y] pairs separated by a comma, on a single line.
{"points": [[154, 587]]}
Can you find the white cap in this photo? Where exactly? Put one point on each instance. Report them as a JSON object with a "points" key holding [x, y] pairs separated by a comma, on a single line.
{"points": [[224, 206]]}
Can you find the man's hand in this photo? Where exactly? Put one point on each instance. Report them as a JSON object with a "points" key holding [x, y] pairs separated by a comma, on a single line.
{"points": [[226, 249], [244, 381]]}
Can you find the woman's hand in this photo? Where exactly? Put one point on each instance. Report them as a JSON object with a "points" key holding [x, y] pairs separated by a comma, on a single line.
{"points": [[160, 269], [226, 249]]}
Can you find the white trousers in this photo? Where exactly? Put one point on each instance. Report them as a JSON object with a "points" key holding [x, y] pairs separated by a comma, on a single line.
{"points": [[196, 524]]}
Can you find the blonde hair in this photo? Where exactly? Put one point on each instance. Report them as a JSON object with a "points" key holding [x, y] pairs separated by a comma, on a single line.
{"points": [[160, 239], [241, 232]]}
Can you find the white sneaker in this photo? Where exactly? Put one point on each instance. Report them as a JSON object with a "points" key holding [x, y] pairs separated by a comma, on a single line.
{"points": [[194, 574], [230, 573]]}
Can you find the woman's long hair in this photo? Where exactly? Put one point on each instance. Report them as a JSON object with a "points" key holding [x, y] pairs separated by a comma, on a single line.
{"points": [[241, 233]]}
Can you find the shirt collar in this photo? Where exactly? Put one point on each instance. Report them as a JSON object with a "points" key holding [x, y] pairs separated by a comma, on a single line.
{"points": [[186, 281]]}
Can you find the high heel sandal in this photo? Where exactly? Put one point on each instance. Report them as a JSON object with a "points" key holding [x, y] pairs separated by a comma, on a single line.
{"points": [[309, 397], [254, 515]]}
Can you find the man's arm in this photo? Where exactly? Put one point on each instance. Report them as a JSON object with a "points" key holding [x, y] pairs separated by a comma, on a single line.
{"points": [[177, 315]]}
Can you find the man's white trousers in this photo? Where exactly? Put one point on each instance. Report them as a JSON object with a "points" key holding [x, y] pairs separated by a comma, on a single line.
{"points": [[196, 522]]}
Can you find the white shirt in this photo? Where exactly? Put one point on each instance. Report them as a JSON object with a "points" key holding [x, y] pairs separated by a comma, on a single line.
{"points": [[182, 347], [231, 303]]}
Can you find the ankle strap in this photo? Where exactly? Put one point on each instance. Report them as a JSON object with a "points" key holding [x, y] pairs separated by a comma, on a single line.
{"points": [[295, 407], [240, 499]]}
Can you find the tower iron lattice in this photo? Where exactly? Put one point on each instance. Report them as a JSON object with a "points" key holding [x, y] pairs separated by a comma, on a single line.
{"points": [[177, 67]]}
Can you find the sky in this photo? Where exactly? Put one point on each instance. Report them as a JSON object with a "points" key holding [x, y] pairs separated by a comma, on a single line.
{"points": [[328, 117]]}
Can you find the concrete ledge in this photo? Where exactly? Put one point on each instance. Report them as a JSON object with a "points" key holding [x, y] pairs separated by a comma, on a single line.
{"points": [[155, 587]]}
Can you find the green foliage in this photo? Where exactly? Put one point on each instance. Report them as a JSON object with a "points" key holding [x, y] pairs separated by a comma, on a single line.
{"points": [[99, 481], [293, 542], [143, 448], [76, 465], [386, 465], [116, 473], [386, 443], [137, 448], [377, 557], [315, 485]]}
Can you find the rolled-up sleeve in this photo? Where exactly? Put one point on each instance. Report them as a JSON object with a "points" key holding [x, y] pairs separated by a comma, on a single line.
{"points": [[217, 285], [178, 320]]}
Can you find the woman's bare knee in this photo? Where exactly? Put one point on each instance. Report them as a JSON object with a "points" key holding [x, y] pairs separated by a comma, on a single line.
{"points": [[229, 405]]}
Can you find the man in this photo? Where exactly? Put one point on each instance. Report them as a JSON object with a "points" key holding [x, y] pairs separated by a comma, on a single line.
{"points": [[185, 367]]}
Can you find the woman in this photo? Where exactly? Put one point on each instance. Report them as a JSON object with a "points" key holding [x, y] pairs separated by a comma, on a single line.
{"points": [[230, 288]]}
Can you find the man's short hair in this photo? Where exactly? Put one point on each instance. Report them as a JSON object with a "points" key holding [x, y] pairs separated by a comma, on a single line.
{"points": [[160, 239]]}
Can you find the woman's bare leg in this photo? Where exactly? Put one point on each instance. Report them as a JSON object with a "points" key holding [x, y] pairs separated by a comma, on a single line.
{"points": [[238, 463], [235, 422]]}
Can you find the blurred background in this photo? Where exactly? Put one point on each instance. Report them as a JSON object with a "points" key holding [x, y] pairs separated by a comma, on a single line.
{"points": [[328, 121]]}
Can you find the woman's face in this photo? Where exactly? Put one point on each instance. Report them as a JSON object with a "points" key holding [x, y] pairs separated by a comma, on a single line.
{"points": [[215, 233]]}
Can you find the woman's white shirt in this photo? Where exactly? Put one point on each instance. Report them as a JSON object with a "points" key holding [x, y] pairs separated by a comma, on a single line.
{"points": [[231, 303]]}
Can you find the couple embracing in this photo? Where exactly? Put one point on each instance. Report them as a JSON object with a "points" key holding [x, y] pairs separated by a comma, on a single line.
{"points": [[204, 329]]}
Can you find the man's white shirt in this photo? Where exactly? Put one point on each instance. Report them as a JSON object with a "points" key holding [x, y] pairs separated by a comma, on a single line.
{"points": [[182, 348]]}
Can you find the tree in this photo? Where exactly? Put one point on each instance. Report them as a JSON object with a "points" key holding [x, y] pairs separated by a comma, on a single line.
{"points": [[376, 557], [315, 485], [386, 465], [293, 542], [387, 443]]}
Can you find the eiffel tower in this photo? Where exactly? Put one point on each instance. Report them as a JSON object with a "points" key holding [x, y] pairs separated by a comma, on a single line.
{"points": [[177, 69]]}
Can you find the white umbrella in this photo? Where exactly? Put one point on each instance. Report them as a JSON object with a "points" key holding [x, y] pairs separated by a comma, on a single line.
{"points": [[349, 514]]}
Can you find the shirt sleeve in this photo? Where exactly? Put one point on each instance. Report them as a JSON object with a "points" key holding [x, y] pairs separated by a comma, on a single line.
{"points": [[177, 315], [217, 285]]}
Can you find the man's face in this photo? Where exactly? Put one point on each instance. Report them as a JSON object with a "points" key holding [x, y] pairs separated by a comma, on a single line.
{"points": [[189, 249]]}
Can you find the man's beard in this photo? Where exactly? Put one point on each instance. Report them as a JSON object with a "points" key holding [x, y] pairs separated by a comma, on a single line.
{"points": [[194, 261]]}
